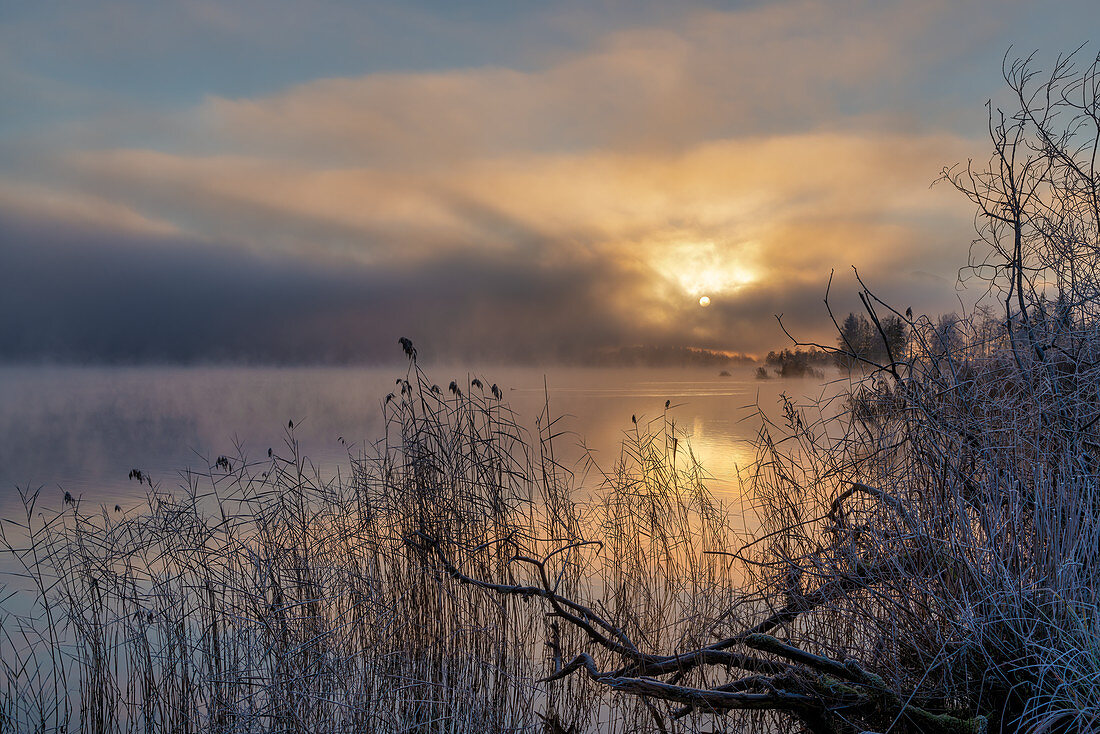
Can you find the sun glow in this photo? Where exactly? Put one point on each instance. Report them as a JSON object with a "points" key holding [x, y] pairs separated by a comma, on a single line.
{"points": [[703, 269]]}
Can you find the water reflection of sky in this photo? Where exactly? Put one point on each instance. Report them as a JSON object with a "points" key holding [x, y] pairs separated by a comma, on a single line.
{"points": [[83, 429], [708, 415]]}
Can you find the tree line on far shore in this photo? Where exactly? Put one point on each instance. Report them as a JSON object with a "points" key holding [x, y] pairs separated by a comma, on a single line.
{"points": [[859, 341]]}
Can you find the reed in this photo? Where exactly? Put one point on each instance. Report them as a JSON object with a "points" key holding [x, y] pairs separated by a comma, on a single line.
{"points": [[268, 596]]}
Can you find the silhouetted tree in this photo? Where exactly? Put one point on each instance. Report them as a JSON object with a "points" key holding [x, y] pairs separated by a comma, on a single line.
{"points": [[859, 339]]}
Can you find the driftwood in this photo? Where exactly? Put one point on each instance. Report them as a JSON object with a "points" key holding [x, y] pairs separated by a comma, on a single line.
{"points": [[825, 695]]}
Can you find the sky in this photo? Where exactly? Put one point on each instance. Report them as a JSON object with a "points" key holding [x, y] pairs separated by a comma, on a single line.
{"points": [[292, 181]]}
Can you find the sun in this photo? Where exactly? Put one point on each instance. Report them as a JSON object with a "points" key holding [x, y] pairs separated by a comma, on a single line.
{"points": [[703, 270]]}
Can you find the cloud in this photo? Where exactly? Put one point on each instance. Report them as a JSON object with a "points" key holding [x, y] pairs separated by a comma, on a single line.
{"points": [[778, 67], [840, 193], [536, 257], [78, 294], [526, 213], [77, 210]]}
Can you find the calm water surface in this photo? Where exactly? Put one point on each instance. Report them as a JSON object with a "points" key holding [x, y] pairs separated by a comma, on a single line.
{"points": [[82, 429]]}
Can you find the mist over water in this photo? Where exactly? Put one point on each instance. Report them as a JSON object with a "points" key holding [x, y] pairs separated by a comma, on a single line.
{"points": [[82, 429]]}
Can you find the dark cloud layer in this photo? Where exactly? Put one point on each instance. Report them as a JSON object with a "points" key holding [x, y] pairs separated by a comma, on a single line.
{"points": [[74, 295]]}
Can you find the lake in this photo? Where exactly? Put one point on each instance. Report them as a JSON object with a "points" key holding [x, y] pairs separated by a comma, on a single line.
{"points": [[82, 429]]}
